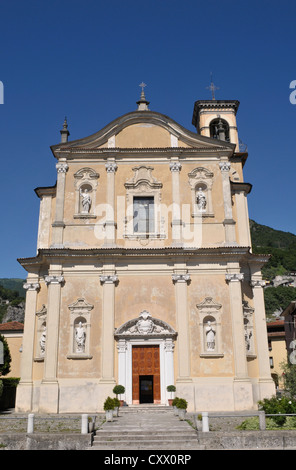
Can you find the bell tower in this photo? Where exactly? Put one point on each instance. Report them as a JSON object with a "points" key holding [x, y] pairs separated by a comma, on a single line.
{"points": [[216, 118]]}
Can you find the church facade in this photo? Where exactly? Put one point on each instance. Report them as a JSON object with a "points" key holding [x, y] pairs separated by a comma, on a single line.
{"points": [[144, 274]]}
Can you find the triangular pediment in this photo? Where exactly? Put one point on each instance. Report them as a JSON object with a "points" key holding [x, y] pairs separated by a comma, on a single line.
{"points": [[143, 129]]}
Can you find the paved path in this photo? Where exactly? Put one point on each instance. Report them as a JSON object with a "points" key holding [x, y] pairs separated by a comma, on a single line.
{"points": [[146, 427]]}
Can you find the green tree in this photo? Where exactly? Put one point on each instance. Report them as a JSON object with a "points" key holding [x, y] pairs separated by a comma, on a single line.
{"points": [[5, 368], [277, 298], [289, 373]]}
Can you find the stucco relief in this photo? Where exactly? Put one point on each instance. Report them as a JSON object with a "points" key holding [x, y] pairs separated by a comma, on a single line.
{"points": [[145, 325]]}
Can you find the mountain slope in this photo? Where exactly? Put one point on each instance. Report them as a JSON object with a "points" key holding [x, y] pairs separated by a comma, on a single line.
{"points": [[280, 245]]}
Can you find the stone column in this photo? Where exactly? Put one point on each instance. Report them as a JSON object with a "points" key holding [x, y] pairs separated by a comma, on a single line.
{"points": [[229, 224], [110, 210], [25, 388], [266, 384], [175, 168], [49, 389], [181, 281], [108, 282], [58, 224]]}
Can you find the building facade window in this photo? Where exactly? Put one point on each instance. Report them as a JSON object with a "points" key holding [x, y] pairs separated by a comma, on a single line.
{"points": [[144, 214]]}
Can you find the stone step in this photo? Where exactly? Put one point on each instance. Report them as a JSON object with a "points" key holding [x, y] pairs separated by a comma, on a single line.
{"points": [[141, 437], [172, 445]]}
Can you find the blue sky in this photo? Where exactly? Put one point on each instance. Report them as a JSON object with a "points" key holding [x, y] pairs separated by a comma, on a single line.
{"points": [[85, 60]]}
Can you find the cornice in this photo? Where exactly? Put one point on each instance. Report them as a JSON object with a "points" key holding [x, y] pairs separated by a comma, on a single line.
{"points": [[237, 253], [94, 141], [181, 152]]}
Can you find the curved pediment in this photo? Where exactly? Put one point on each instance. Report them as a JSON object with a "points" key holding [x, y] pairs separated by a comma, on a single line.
{"points": [[145, 325], [143, 129]]}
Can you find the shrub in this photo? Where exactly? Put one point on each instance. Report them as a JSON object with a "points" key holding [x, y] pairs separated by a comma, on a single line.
{"points": [[275, 405], [182, 403], [109, 404], [116, 402], [118, 389], [171, 388], [175, 401]]}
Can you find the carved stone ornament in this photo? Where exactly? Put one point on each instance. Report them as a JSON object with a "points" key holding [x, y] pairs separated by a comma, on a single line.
{"points": [[80, 306], [143, 178], [145, 325], [208, 304]]}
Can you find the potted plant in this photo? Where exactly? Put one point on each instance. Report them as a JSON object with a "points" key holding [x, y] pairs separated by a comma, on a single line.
{"points": [[118, 390], [116, 406], [182, 408], [109, 407], [174, 405], [171, 389], [91, 424]]}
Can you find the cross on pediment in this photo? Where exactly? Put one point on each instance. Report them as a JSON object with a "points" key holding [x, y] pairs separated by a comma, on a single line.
{"points": [[142, 85]]}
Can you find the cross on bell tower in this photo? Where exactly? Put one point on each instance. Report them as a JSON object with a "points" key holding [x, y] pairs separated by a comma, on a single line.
{"points": [[212, 87]]}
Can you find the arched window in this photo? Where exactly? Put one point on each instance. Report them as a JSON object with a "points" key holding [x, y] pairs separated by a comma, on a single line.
{"points": [[219, 129]]}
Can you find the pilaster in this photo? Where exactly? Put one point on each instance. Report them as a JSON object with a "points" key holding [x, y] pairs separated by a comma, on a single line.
{"points": [[236, 305], [108, 282], [181, 281], [266, 384], [25, 387], [110, 224], [175, 167], [58, 224], [229, 223], [242, 387], [49, 390]]}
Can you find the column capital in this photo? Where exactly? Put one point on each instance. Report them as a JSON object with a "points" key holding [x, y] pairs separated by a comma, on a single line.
{"points": [[54, 279], [109, 279], [31, 286], [257, 283], [62, 167], [225, 166], [175, 166], [234, 277], [111, 167], [181, 278]]}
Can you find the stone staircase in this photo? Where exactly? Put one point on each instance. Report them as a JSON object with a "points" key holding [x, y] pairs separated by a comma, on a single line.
{"points": [[146, 427]]}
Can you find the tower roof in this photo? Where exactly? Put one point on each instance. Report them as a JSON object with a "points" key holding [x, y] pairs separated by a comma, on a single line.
{"points": [[201, 105]]}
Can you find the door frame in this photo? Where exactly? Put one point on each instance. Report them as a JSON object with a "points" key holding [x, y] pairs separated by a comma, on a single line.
{"points": [[166, 362]]}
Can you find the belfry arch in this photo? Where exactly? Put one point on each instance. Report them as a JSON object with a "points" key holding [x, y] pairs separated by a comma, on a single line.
{"points": [[145, 351]]}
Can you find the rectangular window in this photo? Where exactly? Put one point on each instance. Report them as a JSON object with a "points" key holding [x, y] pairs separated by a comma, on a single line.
{"points": [[144, 214]]}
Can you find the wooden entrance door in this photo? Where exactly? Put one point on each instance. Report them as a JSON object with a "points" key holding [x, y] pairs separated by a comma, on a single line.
{"points": [[145, 362]]}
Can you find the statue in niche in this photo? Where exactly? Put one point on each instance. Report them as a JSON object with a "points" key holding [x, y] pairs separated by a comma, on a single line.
{"points": [[80, 336], [248, 335], [85, 200], [201, 200], [42, 341], [210, 337]]}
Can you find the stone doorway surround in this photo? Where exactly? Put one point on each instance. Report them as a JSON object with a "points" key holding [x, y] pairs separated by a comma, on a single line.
{"points": [[143, 331]]}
